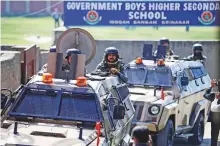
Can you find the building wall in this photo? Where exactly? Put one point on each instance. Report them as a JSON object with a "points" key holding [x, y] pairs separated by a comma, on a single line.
{"points": [[17, 8], [131, 49], [10, 60], [10, 70]]}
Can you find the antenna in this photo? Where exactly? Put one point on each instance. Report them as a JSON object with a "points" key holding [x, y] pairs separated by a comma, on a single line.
{"points": [[148, 52], [161, 52]]}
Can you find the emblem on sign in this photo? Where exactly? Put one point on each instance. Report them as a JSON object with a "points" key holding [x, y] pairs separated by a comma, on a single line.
{"points": [[206, 18], [92, 17]]}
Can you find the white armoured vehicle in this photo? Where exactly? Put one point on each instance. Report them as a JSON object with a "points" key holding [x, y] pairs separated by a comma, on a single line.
{"points": [[168, 97]]}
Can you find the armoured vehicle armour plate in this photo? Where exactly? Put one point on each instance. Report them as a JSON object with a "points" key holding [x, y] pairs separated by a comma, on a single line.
{"points": [[62, 107], [168, 97]]}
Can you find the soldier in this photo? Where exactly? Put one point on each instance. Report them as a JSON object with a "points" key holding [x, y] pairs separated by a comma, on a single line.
{"points": [[56, 17], [141, 136], [111, 64], [215, 111], [197, 53], [69, 52], [165, 42]]}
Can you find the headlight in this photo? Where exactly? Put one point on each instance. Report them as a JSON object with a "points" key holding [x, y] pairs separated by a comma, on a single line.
{"points": [[154, 109]]}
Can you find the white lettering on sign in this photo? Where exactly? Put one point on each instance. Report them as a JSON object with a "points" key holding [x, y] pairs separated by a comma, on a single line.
{"points": [[147, 15], [119, 22], [93, 6], [201, 6], [135, 6], [144, 22], [164, 6], [143, 6], [176, 22]]}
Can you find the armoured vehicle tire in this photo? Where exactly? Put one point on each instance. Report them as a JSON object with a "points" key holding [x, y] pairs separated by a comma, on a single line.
{"points": [[165, 136], [198, 131]]}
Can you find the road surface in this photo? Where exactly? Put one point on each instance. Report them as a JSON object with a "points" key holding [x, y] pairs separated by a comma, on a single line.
{"points": [[206, 141]]}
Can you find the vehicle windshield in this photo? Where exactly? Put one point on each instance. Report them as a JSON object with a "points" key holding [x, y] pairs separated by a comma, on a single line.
{"points": [[152, 76], [60, 105]]}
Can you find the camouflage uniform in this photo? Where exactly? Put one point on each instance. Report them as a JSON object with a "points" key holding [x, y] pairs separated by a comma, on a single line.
{"points": [[202, 59], [195, 57], [169, 52], [104, 66]]}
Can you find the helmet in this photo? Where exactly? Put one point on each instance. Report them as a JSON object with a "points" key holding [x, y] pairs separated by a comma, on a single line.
{"points": [[164, 40], [198, 47], [111, 50], [69, 52], [53, 49]]}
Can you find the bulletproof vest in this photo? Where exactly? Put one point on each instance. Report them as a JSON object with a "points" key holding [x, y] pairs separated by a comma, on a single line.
{"points": [[193, 57], [117, 66]]}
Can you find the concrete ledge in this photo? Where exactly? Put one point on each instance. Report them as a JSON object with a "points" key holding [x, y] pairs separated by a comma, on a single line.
{"points": [[10, 70]]}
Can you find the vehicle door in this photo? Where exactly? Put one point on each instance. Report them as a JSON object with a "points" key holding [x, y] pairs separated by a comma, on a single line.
{"points": [[200, 83], [186, 100]]}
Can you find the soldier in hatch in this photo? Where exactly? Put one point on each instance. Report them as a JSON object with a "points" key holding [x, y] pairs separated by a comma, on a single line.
{"points": [[65, 66], [69, 52], [197, 53], [111, 64], [165, 42]]}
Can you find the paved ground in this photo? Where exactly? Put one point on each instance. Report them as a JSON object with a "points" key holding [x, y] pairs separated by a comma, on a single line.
{"points": [[206, 141]]}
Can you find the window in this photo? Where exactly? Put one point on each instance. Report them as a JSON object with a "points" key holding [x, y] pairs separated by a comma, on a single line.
{"points": [[197, 72], [204, 70], [140, 112], [151, 76], [102, 91], [123, 92]]}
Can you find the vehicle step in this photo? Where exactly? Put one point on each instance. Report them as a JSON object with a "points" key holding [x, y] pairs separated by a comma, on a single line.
{"points": [[184, 135]]}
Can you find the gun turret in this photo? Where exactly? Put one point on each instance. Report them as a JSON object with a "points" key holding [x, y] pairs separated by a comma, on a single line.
{"points": [[79, 46]]}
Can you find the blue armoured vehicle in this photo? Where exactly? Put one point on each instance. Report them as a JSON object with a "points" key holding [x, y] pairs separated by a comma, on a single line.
{"points": [[167, 94], [61, 105]]}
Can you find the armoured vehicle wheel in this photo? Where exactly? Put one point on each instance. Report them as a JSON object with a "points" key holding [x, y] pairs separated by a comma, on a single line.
{"points": [[165, 136], [198, 131]]}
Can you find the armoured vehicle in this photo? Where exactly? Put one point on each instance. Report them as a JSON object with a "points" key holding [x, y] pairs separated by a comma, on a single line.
{"points": [[61, 106], [167, 94]]}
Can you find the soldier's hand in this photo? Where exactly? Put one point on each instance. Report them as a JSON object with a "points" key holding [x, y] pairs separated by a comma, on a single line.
{"points": [[218, 95], [213, 83], [114, 71]]}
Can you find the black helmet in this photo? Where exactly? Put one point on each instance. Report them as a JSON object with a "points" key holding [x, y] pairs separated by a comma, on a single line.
{"points": [[198, 47], [164, 40], [111, 50], [69, 52], [53, 49]]}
